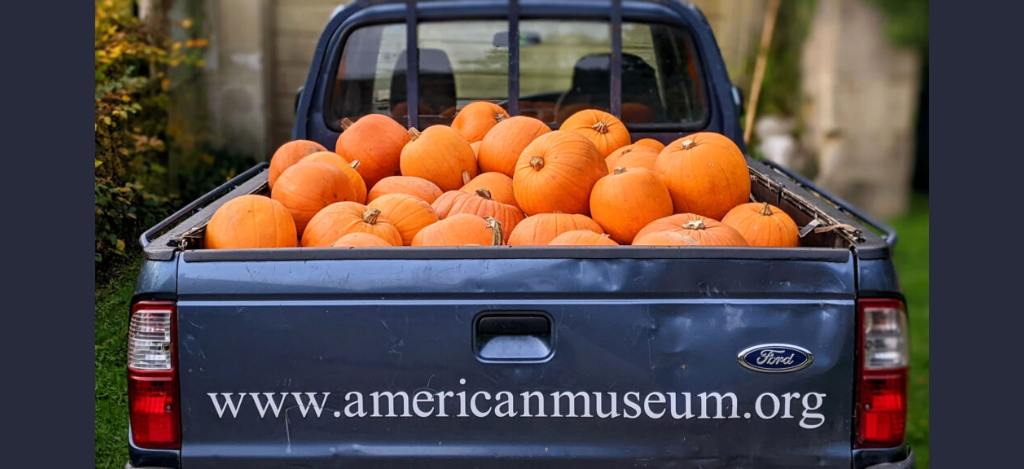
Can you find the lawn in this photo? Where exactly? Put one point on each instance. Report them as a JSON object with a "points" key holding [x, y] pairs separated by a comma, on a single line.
{"points": [[112, 328], [911, 259], [112, 300]]}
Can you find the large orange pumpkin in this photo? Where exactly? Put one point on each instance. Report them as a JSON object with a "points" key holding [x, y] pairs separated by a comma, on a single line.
{"points": [[639, 159], [461, 229], [251, 221], [376, 141], [501, 147], [666, 238], [415, 186], [614, 159], [706, 231], [439, 155], [650, 143], [625, 201], [557, 172], [540, 229], [360, 240], [476, 118], [333, 159], [582, 238], [289, 154], [764, 225], [706, 174], [480, 204], [605, 130], [340, 219], [498, 184], [306, 188], [476, 150], [407, 213]]}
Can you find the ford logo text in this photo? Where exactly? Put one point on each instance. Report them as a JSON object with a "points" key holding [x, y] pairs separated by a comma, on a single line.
{"points": [[775, 358]]}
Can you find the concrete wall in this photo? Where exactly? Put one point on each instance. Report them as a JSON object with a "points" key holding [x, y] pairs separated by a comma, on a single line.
{"points": [[860, 95], [259, 55]]}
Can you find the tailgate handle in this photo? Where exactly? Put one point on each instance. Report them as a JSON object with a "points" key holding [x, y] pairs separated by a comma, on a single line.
{"points": [[515, 337]]}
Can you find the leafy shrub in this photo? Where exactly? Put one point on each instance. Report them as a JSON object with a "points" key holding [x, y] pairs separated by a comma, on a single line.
{"points": [[135, 90]]}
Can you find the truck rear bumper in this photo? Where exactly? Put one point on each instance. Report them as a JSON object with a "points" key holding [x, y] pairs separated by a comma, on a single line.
{"points": [[892, 458]]}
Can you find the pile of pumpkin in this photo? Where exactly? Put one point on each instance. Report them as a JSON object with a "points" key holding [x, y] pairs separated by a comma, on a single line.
{"points": [[491, 179]]}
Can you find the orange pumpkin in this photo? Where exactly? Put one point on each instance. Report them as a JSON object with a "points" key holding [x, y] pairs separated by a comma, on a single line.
{"points": [[480, 204], [476, 150], [289, 154], [706, 173], [582, 238], [376, 142], [415, 186], [666, 238], [539, 230], [476, 118], [499, 185], [251, 221], [501, 147], [614, 160], [764, 225], [564, 113], [407, 213], [340, 219], [439, 155], [625, 201], [706, 231], [306, 188], [639, 159], [333, 159], [461, 229], [556, 172], [360, 240], [651, 143], [605, 130]]}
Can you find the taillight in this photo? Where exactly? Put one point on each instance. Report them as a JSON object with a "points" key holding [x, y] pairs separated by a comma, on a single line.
{"points": [[883, 360], [153, 406]]}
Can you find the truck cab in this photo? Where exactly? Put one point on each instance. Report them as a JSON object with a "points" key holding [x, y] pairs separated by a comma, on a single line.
{"points": [[498, 357]]}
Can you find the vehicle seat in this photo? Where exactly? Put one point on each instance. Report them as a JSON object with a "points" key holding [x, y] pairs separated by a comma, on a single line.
{"points": [[436, 88], [591, 82]]}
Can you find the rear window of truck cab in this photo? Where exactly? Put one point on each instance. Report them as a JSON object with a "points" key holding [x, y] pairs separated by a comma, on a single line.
{"points": [[564, 67]]}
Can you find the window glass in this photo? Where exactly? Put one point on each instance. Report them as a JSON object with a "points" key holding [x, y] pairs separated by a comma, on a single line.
{"points": [[564, 67]]}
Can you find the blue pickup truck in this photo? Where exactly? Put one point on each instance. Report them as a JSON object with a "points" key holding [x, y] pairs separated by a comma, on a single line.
{"points": [[508, 357]]}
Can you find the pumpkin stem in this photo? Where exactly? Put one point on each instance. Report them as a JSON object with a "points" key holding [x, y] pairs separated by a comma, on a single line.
{"points": [[495, 226], [355, 164], [413, 133], [627, 150], [557, 211], [346, 123], [537, 162], [687, 144], [766, 210], [694, 225], [600, 127], [606, 235], [370, 217], [483, 192], [620, 170], [466, 178], [498, 117]]}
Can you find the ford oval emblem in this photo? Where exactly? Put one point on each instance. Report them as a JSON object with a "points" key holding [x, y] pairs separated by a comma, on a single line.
{"points": [[775, 358]]}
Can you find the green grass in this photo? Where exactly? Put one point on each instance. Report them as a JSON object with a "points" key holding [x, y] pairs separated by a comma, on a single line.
{"points": [[112, 298], [911, 258]]}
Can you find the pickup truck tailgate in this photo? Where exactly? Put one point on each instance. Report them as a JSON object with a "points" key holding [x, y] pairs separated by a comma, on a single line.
{"points": [[581, 362]]}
